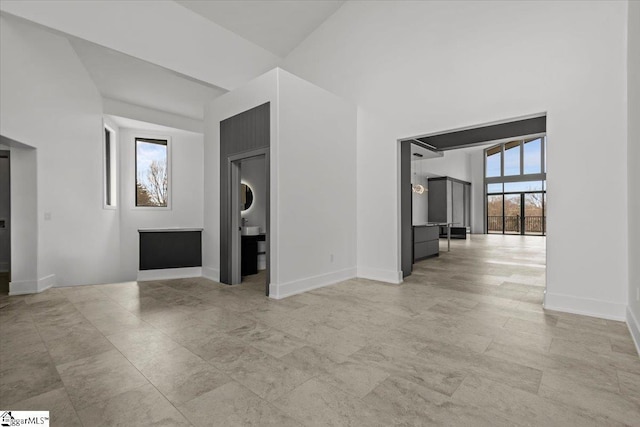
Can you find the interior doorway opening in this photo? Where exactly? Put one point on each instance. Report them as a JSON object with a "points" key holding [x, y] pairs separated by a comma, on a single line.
{"points": [[249, 202], [505, 165]]}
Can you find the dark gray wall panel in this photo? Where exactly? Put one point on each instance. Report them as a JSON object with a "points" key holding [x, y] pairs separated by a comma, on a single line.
{"points": [[247, 131], [464, 138], [457, 203], [438, 200]]}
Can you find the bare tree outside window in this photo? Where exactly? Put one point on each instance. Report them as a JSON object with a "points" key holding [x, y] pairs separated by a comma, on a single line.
{"points": [[152, 181]]}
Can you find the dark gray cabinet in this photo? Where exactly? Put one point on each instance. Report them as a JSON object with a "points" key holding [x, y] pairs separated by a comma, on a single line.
{"points": [[426, 241], [450, 201]]}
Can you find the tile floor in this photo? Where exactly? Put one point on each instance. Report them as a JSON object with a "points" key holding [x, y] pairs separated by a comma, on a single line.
{"points": [[464, 341]]}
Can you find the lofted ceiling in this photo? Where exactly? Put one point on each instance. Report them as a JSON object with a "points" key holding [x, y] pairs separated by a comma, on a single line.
{"points": [[207, 48], [134, 81], [275, 25]]}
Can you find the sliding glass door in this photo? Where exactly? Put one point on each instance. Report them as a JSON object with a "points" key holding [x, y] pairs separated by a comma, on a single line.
{"points": [[517, 213]]}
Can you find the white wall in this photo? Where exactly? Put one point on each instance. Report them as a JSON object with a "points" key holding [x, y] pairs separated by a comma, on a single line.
{"points": [[48, 101], [476, 164], [633, 159], [467, 63], [378, 216], [185, 191], [316, 187], [454, 163]]}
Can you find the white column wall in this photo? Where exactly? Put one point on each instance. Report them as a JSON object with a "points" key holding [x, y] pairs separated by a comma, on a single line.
{"points": [[316, 187], [633, 160]]}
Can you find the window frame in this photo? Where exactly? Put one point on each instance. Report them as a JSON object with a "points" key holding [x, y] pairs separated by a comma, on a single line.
{"points": [[522, 177], [152, 137], [110, 168]]}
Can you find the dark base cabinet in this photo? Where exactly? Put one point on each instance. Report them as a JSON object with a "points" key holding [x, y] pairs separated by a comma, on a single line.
{"points": [[250, 254], [170, 248], [456, 232], [425, 242]]}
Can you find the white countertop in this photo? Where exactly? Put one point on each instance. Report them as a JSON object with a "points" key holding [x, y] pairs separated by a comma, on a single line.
{"points": [[167, 230]]}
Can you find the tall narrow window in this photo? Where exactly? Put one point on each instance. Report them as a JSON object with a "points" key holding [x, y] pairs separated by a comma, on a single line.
{"points": [[512, 158], [152, 172], [494, 161], [533, 156], [110, 195]]}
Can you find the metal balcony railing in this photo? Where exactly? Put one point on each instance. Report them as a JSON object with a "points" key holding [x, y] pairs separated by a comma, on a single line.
{"points": [[514, 224]]}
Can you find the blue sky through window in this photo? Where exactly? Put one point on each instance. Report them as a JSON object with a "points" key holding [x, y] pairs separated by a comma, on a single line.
{"points": [[532, 156], [493, 164]]}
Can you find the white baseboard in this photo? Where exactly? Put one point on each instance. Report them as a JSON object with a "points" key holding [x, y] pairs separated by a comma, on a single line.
{"points": [[211, 273], [387, 276], [283, 290], [585, 306], [23, 287], [169, 273], [634, 328]]}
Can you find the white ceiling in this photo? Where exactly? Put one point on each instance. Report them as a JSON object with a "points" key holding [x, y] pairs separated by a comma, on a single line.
{"points": [[124, 122], [276, 25], [426, 154], [125, 78]]}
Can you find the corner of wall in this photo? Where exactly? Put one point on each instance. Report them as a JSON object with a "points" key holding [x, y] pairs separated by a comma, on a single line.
{"points": [[634, 328], [211, 273], [380, 275], [24, 287], [585, 306], [283, 290]]}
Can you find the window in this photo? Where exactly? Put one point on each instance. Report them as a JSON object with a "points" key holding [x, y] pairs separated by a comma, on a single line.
{"points": [[532, 156], [110, 172], [494, 161], [515, 185], [152, 172], [512, 158]]}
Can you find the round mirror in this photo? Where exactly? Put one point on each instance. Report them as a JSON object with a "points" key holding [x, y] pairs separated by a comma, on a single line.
{"points": [[246, 197]]}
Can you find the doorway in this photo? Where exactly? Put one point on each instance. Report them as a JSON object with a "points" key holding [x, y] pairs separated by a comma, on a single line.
{"points": [[5, 222], [517, 165], [244, 138], [249, 203]]}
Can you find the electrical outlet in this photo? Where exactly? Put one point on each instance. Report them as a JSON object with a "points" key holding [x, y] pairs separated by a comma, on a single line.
{"points": [[47, 216]]}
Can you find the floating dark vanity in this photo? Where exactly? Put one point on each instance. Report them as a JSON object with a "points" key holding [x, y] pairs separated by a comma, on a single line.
{"points": [[170, 248], [426, 241], [250, 253]]}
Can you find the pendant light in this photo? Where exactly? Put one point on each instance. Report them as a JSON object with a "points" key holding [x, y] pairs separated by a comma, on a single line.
{"points": [[419, 188]]}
